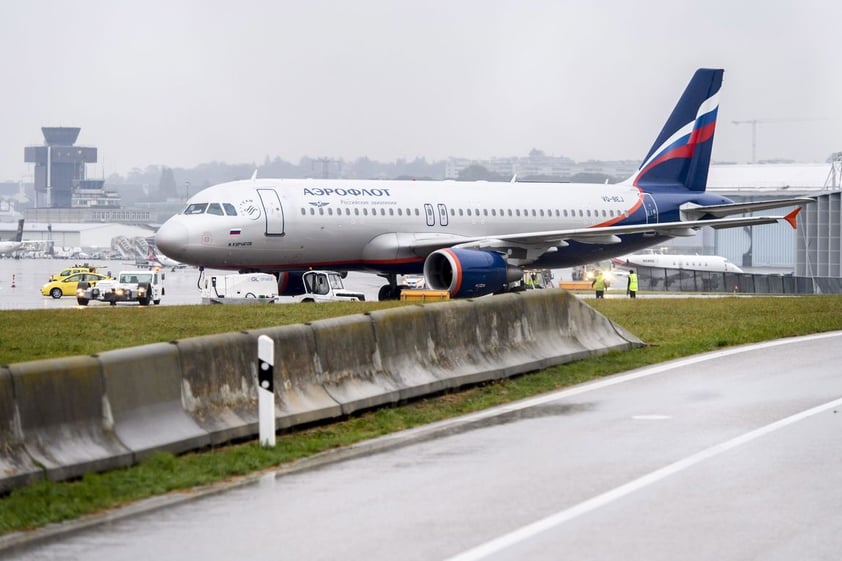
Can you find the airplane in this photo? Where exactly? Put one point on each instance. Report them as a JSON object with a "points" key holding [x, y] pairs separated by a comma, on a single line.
{"points": [[15, 244], [714, 263], [472, 238], [153, 259]]}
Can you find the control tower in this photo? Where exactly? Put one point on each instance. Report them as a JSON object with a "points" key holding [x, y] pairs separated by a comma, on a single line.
{"points": [[59, 166]]}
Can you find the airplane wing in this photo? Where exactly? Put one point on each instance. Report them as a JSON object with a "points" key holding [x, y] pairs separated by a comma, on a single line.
{"points": [[531, 245]]}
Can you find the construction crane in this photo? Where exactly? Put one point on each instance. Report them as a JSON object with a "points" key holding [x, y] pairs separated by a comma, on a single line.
{"points": [[753, 123]]}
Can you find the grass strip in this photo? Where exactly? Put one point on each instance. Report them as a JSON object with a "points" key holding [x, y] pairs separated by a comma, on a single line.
{"points": [[671, 328]]}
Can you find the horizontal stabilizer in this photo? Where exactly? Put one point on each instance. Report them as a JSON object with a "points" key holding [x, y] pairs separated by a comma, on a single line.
{"points": [[695, 212]]}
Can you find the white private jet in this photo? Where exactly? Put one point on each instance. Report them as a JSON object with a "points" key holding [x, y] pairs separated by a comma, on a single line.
{"points": [[473, 238], [713, 263], [13, 245]]}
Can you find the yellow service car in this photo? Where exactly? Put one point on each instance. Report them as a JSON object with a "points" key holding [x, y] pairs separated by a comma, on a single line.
{"points": [[67, 285], [72, 271]]}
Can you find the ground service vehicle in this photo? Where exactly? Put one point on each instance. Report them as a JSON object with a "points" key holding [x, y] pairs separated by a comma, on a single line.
{"points": [[244, 288], [326, 286], [67, 285], [72, 271], [129, 286]]}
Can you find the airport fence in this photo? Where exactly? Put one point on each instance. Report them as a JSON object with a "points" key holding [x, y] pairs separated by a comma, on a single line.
{"points": [[683, 280]]}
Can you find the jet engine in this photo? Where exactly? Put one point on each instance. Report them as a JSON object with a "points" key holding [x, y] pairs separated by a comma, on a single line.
{"points": [[467, 273]]}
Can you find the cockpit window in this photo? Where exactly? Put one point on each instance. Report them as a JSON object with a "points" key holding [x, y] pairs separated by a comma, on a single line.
{"points": [[214, 208], [229, 209], [196, 208]]}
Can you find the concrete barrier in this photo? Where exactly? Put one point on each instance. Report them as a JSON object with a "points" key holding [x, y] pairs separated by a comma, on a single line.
{"points": [[80, 414], [143, 387], [407, 351], [16, 467], [457, 345], [348, 363], [64, 420], [219, 383], [299, 397], [596, 332]]}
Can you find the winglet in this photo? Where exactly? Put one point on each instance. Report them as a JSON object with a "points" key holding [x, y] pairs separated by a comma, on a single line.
{"points": [[254, 175], [791, 217]]}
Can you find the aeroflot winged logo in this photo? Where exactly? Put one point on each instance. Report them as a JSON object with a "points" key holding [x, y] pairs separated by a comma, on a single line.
{"points": [[319, 204]]}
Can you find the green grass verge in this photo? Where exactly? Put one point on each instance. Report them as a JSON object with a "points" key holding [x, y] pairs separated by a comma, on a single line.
{"points": [[38, 334], [671, 328]]}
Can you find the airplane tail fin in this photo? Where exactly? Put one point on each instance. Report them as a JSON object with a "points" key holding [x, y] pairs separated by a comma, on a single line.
{"points": [[680, 156], [19, 233]]}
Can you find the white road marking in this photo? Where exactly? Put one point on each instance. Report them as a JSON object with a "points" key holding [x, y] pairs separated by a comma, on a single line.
{"points": [[651, 417], [524, 533]]}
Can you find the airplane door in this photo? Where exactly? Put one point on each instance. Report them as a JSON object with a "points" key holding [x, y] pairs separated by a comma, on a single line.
{"points": [[273, 211], [442, 214], [431, 216], [651, 208]]}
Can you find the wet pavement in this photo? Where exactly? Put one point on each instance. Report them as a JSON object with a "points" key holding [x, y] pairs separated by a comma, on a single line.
{"points": [[21, 281], [731, 455]]}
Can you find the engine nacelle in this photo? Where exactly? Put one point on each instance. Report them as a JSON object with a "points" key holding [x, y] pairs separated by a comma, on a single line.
{"points": [[467, 273]]}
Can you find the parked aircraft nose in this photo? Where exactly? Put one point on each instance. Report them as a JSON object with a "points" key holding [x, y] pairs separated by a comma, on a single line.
{"points": [[171, 239]]}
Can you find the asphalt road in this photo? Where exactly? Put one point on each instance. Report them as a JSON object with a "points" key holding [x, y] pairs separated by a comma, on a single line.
{"points": [[731, 455]]}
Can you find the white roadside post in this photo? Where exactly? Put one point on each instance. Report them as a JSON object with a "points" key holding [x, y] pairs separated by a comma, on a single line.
{"points": [[266, 389]]}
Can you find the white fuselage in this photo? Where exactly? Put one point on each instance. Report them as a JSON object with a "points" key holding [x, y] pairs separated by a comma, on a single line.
{"points": [[714, 263], [274, 224]]}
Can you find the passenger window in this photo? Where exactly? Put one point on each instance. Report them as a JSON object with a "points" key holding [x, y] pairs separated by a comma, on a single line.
{"points": [[229, 209]]}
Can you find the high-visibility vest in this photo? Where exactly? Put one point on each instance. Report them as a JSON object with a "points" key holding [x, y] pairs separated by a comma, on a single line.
{"points": [[599, 284], [633, 282]]}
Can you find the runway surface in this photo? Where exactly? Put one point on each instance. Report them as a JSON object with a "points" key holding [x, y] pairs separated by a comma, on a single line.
{"points": [[21, 281], [731, 455]]}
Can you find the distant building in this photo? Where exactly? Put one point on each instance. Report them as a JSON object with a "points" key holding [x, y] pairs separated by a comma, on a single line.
{"points": [[59, 166], [63, 193], [538, 164]]}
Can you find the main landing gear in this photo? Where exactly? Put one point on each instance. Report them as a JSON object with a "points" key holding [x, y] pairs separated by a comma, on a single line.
{"points": [[391, 291]]}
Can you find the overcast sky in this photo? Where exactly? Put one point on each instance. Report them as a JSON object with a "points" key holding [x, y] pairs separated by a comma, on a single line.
{"points": [[181, 82]]}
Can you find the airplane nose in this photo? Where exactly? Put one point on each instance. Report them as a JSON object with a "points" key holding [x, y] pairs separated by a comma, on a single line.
{"points": [[171, 239]]}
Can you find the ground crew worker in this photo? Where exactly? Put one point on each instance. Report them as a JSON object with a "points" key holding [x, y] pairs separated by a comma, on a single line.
{"points": [[529, 281], [632, 289], [598, 284]]}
